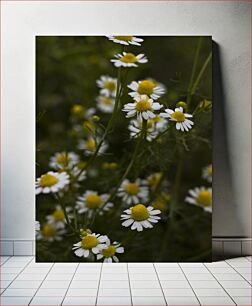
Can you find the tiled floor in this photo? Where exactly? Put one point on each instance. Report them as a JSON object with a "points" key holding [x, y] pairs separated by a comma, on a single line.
{"points": [[24, 282]]}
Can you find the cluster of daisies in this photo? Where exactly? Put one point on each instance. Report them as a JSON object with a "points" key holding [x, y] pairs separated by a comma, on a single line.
{"points": [[68, 169]]}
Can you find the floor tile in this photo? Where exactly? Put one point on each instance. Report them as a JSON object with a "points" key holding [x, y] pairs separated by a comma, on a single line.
{"points": [[248, 277], [85, 284], [25, 284], [141, 270], [229, 276], [221, 300], [47, 300], [145, 284], [82, 292], [220, 270], [210, 292], [19, 292], [204, 284], [21, 258], [195, 270], [9, 276], [14, 300], [168, 270], [32, 270], [104, 300], [142, 300], [241, 264], [14, 264], [201, 276], [87, 276], [10, 270], [146, 292], [117, 277], [59, 277], [172, 276], [114, 284], [178, 292], [239, 291], [55, 284], [190, 300], [166, 284], [114, 292], [5, 283], [29, 276], [80, 300], [51, 292]]}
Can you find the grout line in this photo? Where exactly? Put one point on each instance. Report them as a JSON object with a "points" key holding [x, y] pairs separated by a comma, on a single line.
{"points": [[220, 284], [16, 276], [129, 284], [160, 284], [239, 272], [189, 283], [41, 283], [97, 293], [9, 257], [70, 284]]}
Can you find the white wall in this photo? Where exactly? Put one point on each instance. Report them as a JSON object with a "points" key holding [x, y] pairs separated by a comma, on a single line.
{"points": [[227, 22]]}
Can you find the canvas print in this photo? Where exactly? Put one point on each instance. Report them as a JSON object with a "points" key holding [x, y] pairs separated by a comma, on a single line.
{"points": [[123, 148]]}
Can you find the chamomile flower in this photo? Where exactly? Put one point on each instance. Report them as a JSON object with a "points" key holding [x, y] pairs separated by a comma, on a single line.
{"points": [[90, 201], [52, 182], [181, 119], [90, 145], [129, 60], [105, 104], [79, 172], [50, 232], [108, 85], [159, 123], [90, 244], [139, 217], [108, 252], [200, 196], [147, 87], [154, 179], [207, 173], [135, 128], [133, 192], [126, 40], [143, 108], [64, 160], [57, 218]]}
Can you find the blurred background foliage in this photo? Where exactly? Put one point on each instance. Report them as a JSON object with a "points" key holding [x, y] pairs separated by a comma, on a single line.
{"points": [[66, 72]]}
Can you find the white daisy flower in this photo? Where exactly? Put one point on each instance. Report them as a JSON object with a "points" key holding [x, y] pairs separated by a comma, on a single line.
{"points": [[108, 85], [57, 218], [207, 173], [129, 60], [105, 104], [90, 201], [108, 252], [90, 244], [135, 128], [133, 192], [159, 123], [78, 171], [37, 226], [143, 107], [64, 160], [52, 182], [89, 146], [50, 232], [200, 196], [140, 217], [147, 87], [126, 40], [182, 123]]}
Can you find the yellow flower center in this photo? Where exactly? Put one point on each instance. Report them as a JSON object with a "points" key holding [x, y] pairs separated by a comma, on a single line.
{"points": [[106, 101], [91, 144], [181, 104], [129, 58], [88, 126], [93, 201], [143, 105], [154, 179], [48, 180], [179, 116], [82, 164], [146, 87], [124, 38], [77, 108], [48, 230], [204, 198], [109, 251], [58, 215], [139, 212], [89, 242], [159, 204], [63, 159], [210, 170], [157, 119], [109, 166], [131, 188], [110, 85]]}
